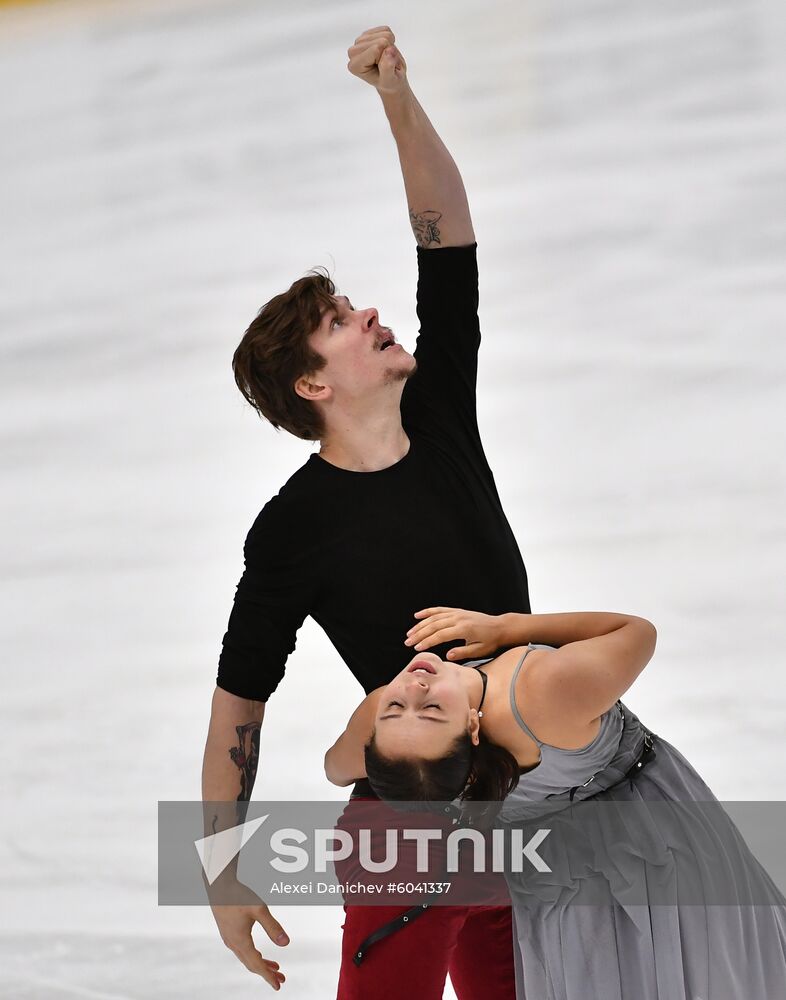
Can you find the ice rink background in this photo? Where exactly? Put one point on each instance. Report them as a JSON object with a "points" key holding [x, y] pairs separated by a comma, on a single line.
{"points": [[167, 168]]}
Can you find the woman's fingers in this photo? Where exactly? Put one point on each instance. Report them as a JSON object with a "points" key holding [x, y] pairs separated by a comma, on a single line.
{"points": [[420, 631], [468, 652], [426, 621], [438, 625], [435, 638], [436, 614]]}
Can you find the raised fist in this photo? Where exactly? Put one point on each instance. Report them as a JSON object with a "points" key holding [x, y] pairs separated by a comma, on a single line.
{"points": [[375, 59]]}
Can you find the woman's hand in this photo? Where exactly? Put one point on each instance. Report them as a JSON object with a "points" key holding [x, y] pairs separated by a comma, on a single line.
{"points": [[375, 59], [481, 633]]}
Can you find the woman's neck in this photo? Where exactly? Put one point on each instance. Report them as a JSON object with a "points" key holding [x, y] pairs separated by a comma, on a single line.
{"points": [[497, 723]]}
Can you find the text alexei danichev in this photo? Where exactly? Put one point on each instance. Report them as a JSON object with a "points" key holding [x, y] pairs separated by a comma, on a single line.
{"points": [[307, 888], [348, 888]]}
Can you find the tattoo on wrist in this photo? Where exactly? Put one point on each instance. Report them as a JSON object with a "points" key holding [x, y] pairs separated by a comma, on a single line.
{"points": [[424, 226], [245, 756]]}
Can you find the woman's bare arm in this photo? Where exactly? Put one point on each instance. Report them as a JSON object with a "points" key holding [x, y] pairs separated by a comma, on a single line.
{"points": [[601, 654], [344, 761]]}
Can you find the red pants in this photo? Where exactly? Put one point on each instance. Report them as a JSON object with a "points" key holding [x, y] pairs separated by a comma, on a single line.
{"points": [[473, 943]]}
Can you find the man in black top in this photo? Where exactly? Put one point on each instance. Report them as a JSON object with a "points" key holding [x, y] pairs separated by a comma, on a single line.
{"points": [[399, 511]]}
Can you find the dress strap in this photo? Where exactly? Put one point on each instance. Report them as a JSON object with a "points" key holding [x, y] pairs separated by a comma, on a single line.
{"points": [[513, 706], [485, 678]]}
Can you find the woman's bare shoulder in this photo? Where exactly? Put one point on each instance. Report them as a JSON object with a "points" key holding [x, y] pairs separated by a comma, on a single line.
{"points": [[540, 705]]}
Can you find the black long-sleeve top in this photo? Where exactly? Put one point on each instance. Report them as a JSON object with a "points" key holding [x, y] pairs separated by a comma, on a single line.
{"points": [[361, 552]]}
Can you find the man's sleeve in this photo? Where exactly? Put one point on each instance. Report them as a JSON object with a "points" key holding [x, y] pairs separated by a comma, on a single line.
{"points": [[440, 397], [271, 603]]}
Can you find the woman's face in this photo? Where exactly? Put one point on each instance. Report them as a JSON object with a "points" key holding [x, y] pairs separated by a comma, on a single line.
{"points": [[424, 709]]}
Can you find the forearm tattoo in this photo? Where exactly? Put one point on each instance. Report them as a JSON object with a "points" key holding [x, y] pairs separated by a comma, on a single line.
{"points": [[424, 226], [245, 756]]}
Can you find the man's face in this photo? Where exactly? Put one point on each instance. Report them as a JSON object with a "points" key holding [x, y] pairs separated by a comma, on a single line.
{"points": [[362, 356]]}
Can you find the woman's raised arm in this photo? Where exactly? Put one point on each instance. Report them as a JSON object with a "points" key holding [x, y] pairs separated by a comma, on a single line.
{"points": [[601, 654]]}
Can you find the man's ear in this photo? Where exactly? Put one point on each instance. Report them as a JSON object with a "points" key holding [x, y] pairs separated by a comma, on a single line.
{"points": [[307, 389]]}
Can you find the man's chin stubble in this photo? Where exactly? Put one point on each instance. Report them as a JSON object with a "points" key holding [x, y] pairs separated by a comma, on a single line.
{"points": [[393, 375]]}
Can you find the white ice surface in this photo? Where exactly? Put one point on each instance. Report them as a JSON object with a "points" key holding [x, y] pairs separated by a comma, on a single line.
{"points": [[166, 168]]}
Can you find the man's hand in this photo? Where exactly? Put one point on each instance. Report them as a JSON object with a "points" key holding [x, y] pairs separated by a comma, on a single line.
{"points": [[482, 633], [375, 59], [236, 913]]}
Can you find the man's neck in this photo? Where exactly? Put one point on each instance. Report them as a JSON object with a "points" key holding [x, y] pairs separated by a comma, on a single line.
{"points": [[364, 449]]}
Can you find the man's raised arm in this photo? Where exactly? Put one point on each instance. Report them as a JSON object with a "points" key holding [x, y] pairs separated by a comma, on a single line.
{"points": [[438, 207]]}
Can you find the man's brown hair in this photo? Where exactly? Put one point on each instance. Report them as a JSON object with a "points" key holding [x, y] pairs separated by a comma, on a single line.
{"points": [[274, 353]]}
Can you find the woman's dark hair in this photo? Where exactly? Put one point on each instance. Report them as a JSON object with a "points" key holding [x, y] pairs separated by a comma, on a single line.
{"points": [[483, 773], [275, 352]]}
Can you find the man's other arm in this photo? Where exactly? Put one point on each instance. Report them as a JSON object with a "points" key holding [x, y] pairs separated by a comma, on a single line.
{"points": [[229, 769], [438, 206], [271, 602]]}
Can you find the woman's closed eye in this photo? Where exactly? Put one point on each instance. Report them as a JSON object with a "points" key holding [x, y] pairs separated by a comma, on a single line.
{"points": [[397, 704]]}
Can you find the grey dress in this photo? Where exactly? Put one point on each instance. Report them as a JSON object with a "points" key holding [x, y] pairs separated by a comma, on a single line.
{"points": [[649, 898]]}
